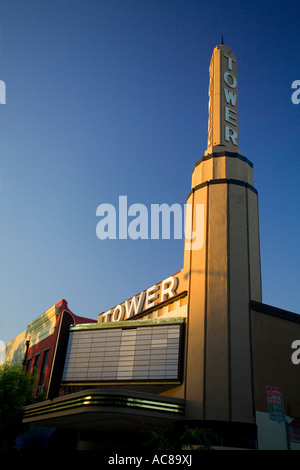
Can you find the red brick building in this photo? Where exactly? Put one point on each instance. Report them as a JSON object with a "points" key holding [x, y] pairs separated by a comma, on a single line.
{"points": [[42, 346]]}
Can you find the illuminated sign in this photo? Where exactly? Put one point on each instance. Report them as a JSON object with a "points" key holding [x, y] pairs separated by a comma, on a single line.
{"points": [[145, 300]]}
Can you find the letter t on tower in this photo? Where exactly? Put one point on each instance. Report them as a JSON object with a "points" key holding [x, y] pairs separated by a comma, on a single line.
{"points": [[223, 125]]}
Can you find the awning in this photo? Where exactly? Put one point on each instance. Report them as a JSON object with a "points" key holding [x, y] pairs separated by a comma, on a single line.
{"points": [[106, 409]]}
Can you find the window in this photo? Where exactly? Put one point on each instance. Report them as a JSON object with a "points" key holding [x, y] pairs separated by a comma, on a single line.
{"points": [[45, 359], [28, 364], [36, 361]]}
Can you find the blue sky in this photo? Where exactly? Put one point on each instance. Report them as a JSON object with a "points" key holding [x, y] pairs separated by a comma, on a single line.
{"points": [[109, 97]]}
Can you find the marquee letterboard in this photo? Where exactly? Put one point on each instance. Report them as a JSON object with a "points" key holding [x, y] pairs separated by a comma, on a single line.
{"points": [[138, 354]]}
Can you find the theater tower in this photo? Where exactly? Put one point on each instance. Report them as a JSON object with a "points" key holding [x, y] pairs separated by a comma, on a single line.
{"points": [[224, 274]]}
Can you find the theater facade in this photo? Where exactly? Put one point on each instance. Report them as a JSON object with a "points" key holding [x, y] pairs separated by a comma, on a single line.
{"points": [[196, 349]]}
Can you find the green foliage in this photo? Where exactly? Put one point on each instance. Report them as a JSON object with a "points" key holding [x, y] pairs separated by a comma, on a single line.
{"points": [[198, 438], [16, 389], [159, 438]]}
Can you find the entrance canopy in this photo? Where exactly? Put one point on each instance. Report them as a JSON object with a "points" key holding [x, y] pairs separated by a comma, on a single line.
{"points": [[106, 410]]}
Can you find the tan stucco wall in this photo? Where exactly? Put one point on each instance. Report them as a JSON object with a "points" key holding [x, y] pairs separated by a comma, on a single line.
{"points": [[272, 338], [15, 349]]}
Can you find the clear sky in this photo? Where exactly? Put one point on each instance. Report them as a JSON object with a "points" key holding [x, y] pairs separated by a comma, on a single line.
{"points": [[109, 97]]}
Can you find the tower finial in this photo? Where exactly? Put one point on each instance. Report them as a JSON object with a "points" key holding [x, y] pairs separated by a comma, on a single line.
{"points": [[222, 40]]}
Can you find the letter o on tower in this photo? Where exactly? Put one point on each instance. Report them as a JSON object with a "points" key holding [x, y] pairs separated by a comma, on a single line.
{"points": [[119, 313], [230, 80]]}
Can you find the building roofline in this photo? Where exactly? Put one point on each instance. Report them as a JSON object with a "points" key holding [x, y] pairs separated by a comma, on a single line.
{"points": [[274, 311]]}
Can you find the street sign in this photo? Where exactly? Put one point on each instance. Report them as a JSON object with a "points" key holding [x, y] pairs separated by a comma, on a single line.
{"points": [[275, 404], [276, 410], [294, 429]]}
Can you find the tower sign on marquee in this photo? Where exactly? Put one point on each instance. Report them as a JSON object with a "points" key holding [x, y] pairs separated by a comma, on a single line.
{"points": [[223, 124]]}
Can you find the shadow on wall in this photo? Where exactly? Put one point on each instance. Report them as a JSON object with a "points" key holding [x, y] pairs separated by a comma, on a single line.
{"points": [[220, 274]]}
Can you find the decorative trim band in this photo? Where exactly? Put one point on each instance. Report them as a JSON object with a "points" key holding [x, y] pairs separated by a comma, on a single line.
{"points": [[225, 154], [223, 181], [103, 400]]}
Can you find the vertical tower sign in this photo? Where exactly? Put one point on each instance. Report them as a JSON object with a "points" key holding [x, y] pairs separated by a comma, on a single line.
{"points": [[223, 124]]}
